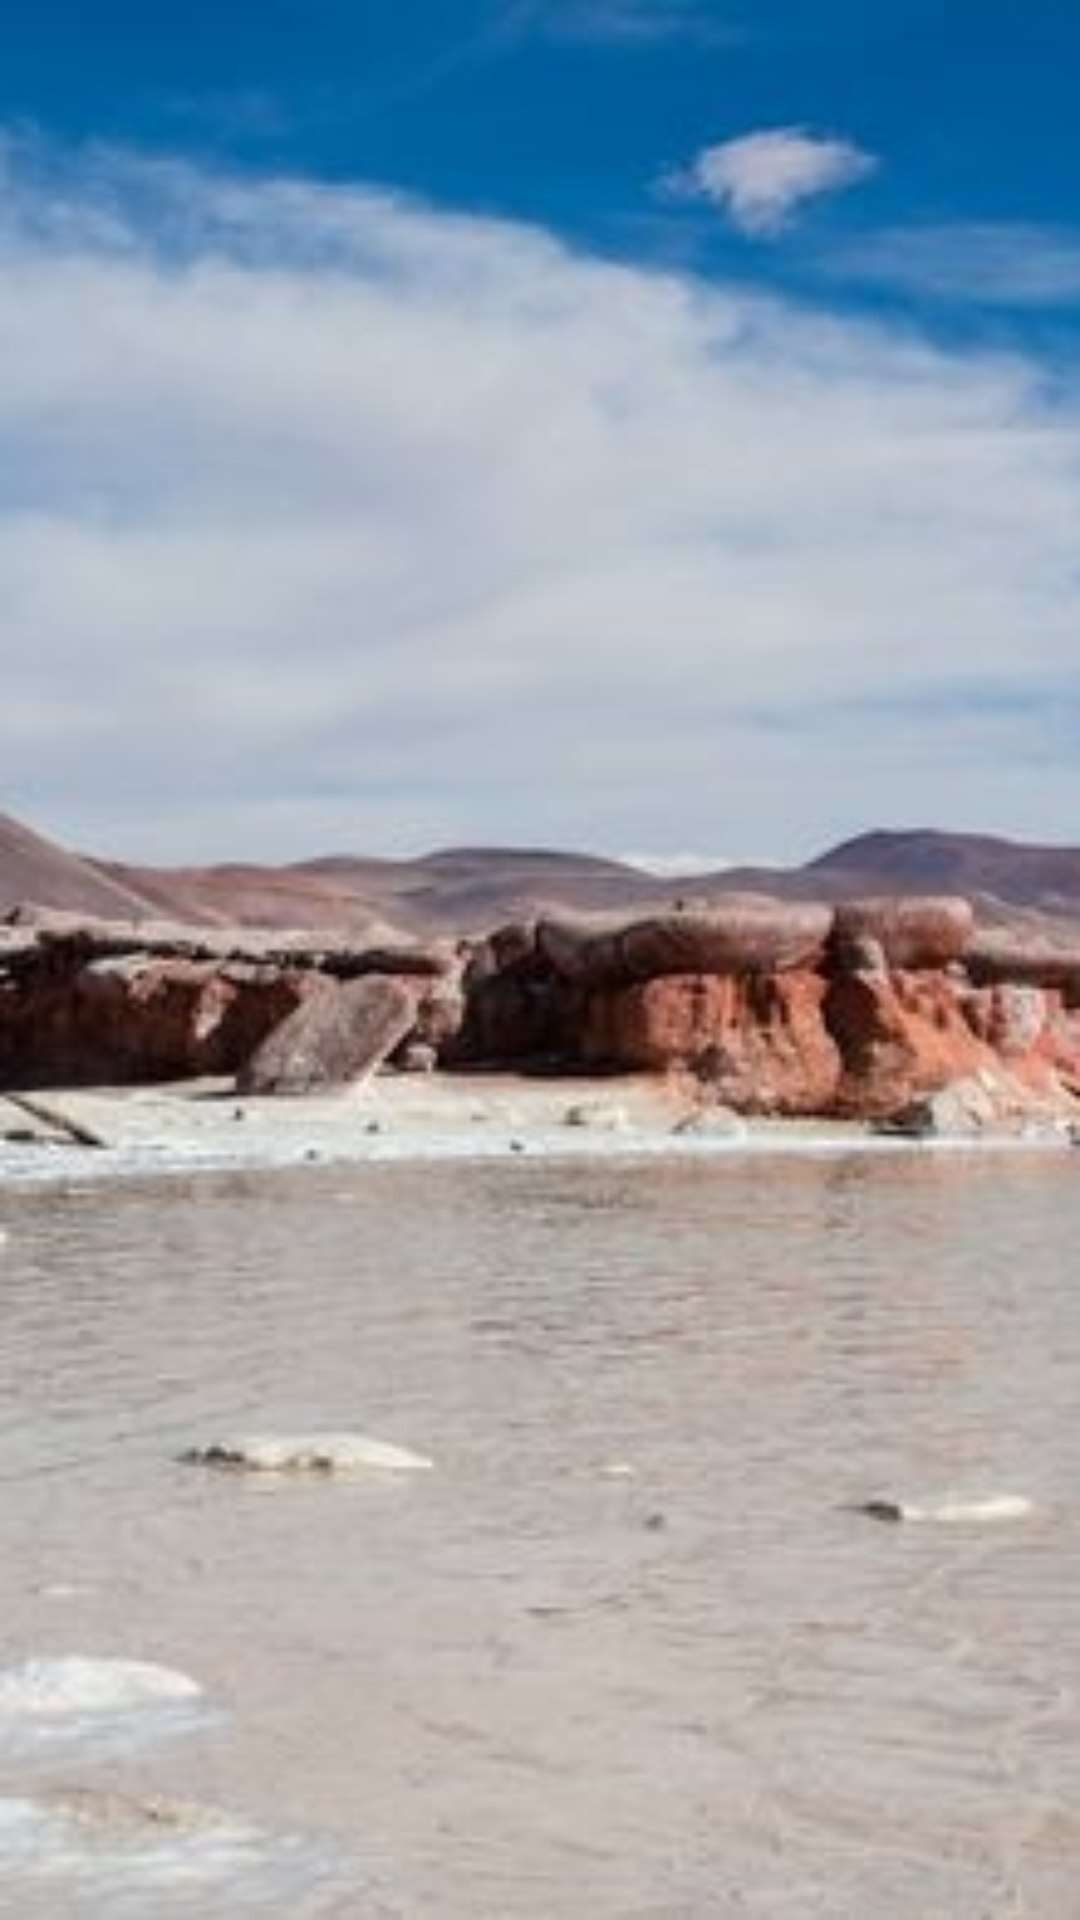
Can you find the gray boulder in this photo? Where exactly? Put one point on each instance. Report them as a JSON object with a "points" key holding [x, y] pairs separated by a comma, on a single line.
{"points": [[339, 1036]]}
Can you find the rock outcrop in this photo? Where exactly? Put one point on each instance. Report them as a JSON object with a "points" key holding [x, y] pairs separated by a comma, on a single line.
{"points": [[87, 1002], [747, 933], [769, 1007], [339, 1035], [1000, 955], [908, 933], [759, 1042], [111, 1022]]}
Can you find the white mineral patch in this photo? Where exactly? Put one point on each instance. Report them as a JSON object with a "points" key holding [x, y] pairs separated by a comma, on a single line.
{"points": [[954, 1511], [72, 1684], [998, 1506], [52, 1706], [337, 1453], [106, 1853]]}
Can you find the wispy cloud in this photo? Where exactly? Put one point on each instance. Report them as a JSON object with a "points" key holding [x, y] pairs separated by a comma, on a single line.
{"points": [[328, 518], [627, 22], [992, 263], [760, 179]]}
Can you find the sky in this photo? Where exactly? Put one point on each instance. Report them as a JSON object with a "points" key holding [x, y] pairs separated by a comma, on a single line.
{"points": [[640, 425]]}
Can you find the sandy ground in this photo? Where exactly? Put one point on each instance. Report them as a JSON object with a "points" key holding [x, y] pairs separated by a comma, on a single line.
{"points": [[393, 1116], [63, 1133]]}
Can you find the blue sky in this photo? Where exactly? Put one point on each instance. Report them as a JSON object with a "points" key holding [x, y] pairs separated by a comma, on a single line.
{"points": [[567, 111], [651, 424]]}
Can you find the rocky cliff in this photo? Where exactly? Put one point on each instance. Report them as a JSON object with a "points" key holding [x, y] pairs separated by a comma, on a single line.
{"points": [[768, 1007]]}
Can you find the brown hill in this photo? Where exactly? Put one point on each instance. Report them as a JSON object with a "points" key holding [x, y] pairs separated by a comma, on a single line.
{"points": [[470, 889], [925, 861], [35, 869]]}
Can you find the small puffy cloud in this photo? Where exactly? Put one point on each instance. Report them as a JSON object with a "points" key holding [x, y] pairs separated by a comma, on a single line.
{"points": [[760, 179]]}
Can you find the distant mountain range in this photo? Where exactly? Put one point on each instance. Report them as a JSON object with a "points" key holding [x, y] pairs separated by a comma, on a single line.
{"points": [[471, 889]]}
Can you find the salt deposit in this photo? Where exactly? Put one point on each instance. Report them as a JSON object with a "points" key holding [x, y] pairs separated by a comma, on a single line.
{"points": [[337, 1453]]}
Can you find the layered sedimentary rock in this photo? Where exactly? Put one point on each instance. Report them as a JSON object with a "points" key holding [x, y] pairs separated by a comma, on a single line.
{"points": [[997, 954], [109, 1022], [759, 1041], [84, 1002], [746, 934], [909, 933], [772, 1007]]}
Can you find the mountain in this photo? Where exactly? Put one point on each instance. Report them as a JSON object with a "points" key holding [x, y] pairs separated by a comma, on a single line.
{"points": [[470, 889], [35, 869], [925, 861]]}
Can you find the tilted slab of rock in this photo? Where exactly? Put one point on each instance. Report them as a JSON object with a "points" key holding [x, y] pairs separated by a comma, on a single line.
{"points": [[911, 933], [339, 1036], [307, 1453], [745, 934]]}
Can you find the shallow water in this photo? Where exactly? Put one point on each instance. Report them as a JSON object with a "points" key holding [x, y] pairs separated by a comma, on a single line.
{"points": [[526, 1685]]}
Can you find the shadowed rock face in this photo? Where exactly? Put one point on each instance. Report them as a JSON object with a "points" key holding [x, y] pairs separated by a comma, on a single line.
{"points": [[338, 1036], [112, 1022]]}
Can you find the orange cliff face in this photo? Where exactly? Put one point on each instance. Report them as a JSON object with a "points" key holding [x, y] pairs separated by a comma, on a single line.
{"points": [[759, 1042], [858, 1046]]}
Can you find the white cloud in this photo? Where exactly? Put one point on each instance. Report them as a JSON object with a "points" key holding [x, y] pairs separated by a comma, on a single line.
{"points": [[992, 263], [329, 520], [680, 866], [762, 178]]}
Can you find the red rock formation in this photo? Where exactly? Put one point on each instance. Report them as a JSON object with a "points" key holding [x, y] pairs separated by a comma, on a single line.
{"points": [[114, 1022], [899, 1035], [859, 1046], [848, 1030], [758, 1040]]}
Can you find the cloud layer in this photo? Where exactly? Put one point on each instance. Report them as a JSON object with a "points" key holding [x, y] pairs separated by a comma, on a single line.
{"points": [[330, 520], [761, 179]]}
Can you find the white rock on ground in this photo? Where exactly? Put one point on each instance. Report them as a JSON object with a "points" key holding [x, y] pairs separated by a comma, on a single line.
{"points": [[954, 1512], [338, 1453], [74, 1684]]}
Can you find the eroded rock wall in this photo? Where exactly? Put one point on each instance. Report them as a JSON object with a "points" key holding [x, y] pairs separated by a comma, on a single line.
{"points": [[773, 1008]]}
